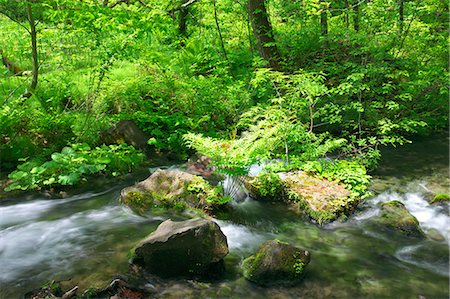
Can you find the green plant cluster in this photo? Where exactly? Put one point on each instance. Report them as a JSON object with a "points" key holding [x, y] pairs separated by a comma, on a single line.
{"points": [[268, 185], [211, 196], [351, 173], [73, 164]]}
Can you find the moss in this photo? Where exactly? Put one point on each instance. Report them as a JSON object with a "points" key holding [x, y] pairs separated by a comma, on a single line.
{"points": [[140, 201], [275, 262], [207, 194], [394, 215], [321, 217], [440, 197], [268, 185]]}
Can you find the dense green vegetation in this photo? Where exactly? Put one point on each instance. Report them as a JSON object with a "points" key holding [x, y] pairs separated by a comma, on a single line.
{"points": [[242, 81]]}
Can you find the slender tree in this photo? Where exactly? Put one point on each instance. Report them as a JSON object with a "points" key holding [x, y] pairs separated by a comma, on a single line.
{"points": [[34, 53], [262, 29], [400, 16], [356, 4], [323, 18]]}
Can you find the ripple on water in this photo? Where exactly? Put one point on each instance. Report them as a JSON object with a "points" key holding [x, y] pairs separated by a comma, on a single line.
{"points": [[432, 257]]}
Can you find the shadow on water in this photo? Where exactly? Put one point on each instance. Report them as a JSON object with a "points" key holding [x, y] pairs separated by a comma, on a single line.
{"points": [[86, 237]]}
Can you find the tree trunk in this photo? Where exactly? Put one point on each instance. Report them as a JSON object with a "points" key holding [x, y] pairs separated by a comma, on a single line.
{"points": [[182, 20], [347, 8], [262, 29], [400, 17], [356, 4], [347, 23], [222, 45], [323, 19], [34, 53]]}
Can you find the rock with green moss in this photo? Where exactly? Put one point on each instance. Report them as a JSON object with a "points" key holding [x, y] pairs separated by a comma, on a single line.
{"points": [[276, 263], [320, 199], [173, 189], [396, 217], [265, 186], [440, 197], [186, 248]]}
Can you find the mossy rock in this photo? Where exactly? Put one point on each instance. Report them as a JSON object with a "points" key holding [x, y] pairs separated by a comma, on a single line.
{"points": [[440, 197], [322, 200], [173, 189], [276, 263], [396, 217], [265, 186]]}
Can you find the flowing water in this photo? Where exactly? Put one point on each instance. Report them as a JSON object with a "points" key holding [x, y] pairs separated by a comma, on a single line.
{"points": [[84, 239]]}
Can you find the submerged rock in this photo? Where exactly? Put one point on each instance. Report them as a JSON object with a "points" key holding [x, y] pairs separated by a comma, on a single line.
{"points": [[320, 199], [172, 189], [192, 247], [276, 263], [395, 216]]}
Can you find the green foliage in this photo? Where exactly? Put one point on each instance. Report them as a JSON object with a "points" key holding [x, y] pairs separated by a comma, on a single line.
{"points": [[73, 164], [212, 196], [351, 173], [342, 95], [268, 185], [299, 266]]}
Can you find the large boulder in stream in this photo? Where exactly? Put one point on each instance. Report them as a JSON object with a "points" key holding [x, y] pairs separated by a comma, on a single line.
{"points": [[186, 248], [276, 263], [320, 199], [172, 189], [396, 217]]}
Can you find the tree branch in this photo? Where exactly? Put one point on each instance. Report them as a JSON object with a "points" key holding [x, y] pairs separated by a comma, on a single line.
{"points": [[17, 22]]}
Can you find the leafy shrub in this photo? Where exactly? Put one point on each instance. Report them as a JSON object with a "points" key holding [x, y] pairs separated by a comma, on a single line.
{"points": [[351, 173], [73, 164]]}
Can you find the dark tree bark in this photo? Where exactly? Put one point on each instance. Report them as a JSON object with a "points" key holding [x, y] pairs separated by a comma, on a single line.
{"points": [[222, 45], [34, 53], [183, 13], [401, 16], [356, 4], [182, 21], [323, 19], [262, 29], [347, 8]]}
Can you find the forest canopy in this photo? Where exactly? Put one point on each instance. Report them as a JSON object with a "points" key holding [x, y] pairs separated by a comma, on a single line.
{"points": [[309, 78]]}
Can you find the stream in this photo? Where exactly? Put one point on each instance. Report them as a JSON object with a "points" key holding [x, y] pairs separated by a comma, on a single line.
{"points": [[84, 239]]}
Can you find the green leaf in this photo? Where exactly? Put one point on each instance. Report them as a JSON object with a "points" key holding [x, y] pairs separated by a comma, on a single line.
{"points": [[68, 179]]}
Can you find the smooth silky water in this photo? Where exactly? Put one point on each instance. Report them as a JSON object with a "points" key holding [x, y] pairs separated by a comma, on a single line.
{"points": [[84, 239]]}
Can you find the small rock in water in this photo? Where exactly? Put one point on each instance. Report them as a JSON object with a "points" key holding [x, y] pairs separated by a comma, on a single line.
{"points": [[435, 235], [276, 263], [395, 216]]}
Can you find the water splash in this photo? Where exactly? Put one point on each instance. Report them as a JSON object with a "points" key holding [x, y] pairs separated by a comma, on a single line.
{"points": [[233, 186], [430, 217]]}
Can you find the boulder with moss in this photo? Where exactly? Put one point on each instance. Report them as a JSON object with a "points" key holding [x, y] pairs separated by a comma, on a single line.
{"points": [[322, 200], [276, 263], [186, 248], [173, 189], [440, 198], [396, 217]]}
